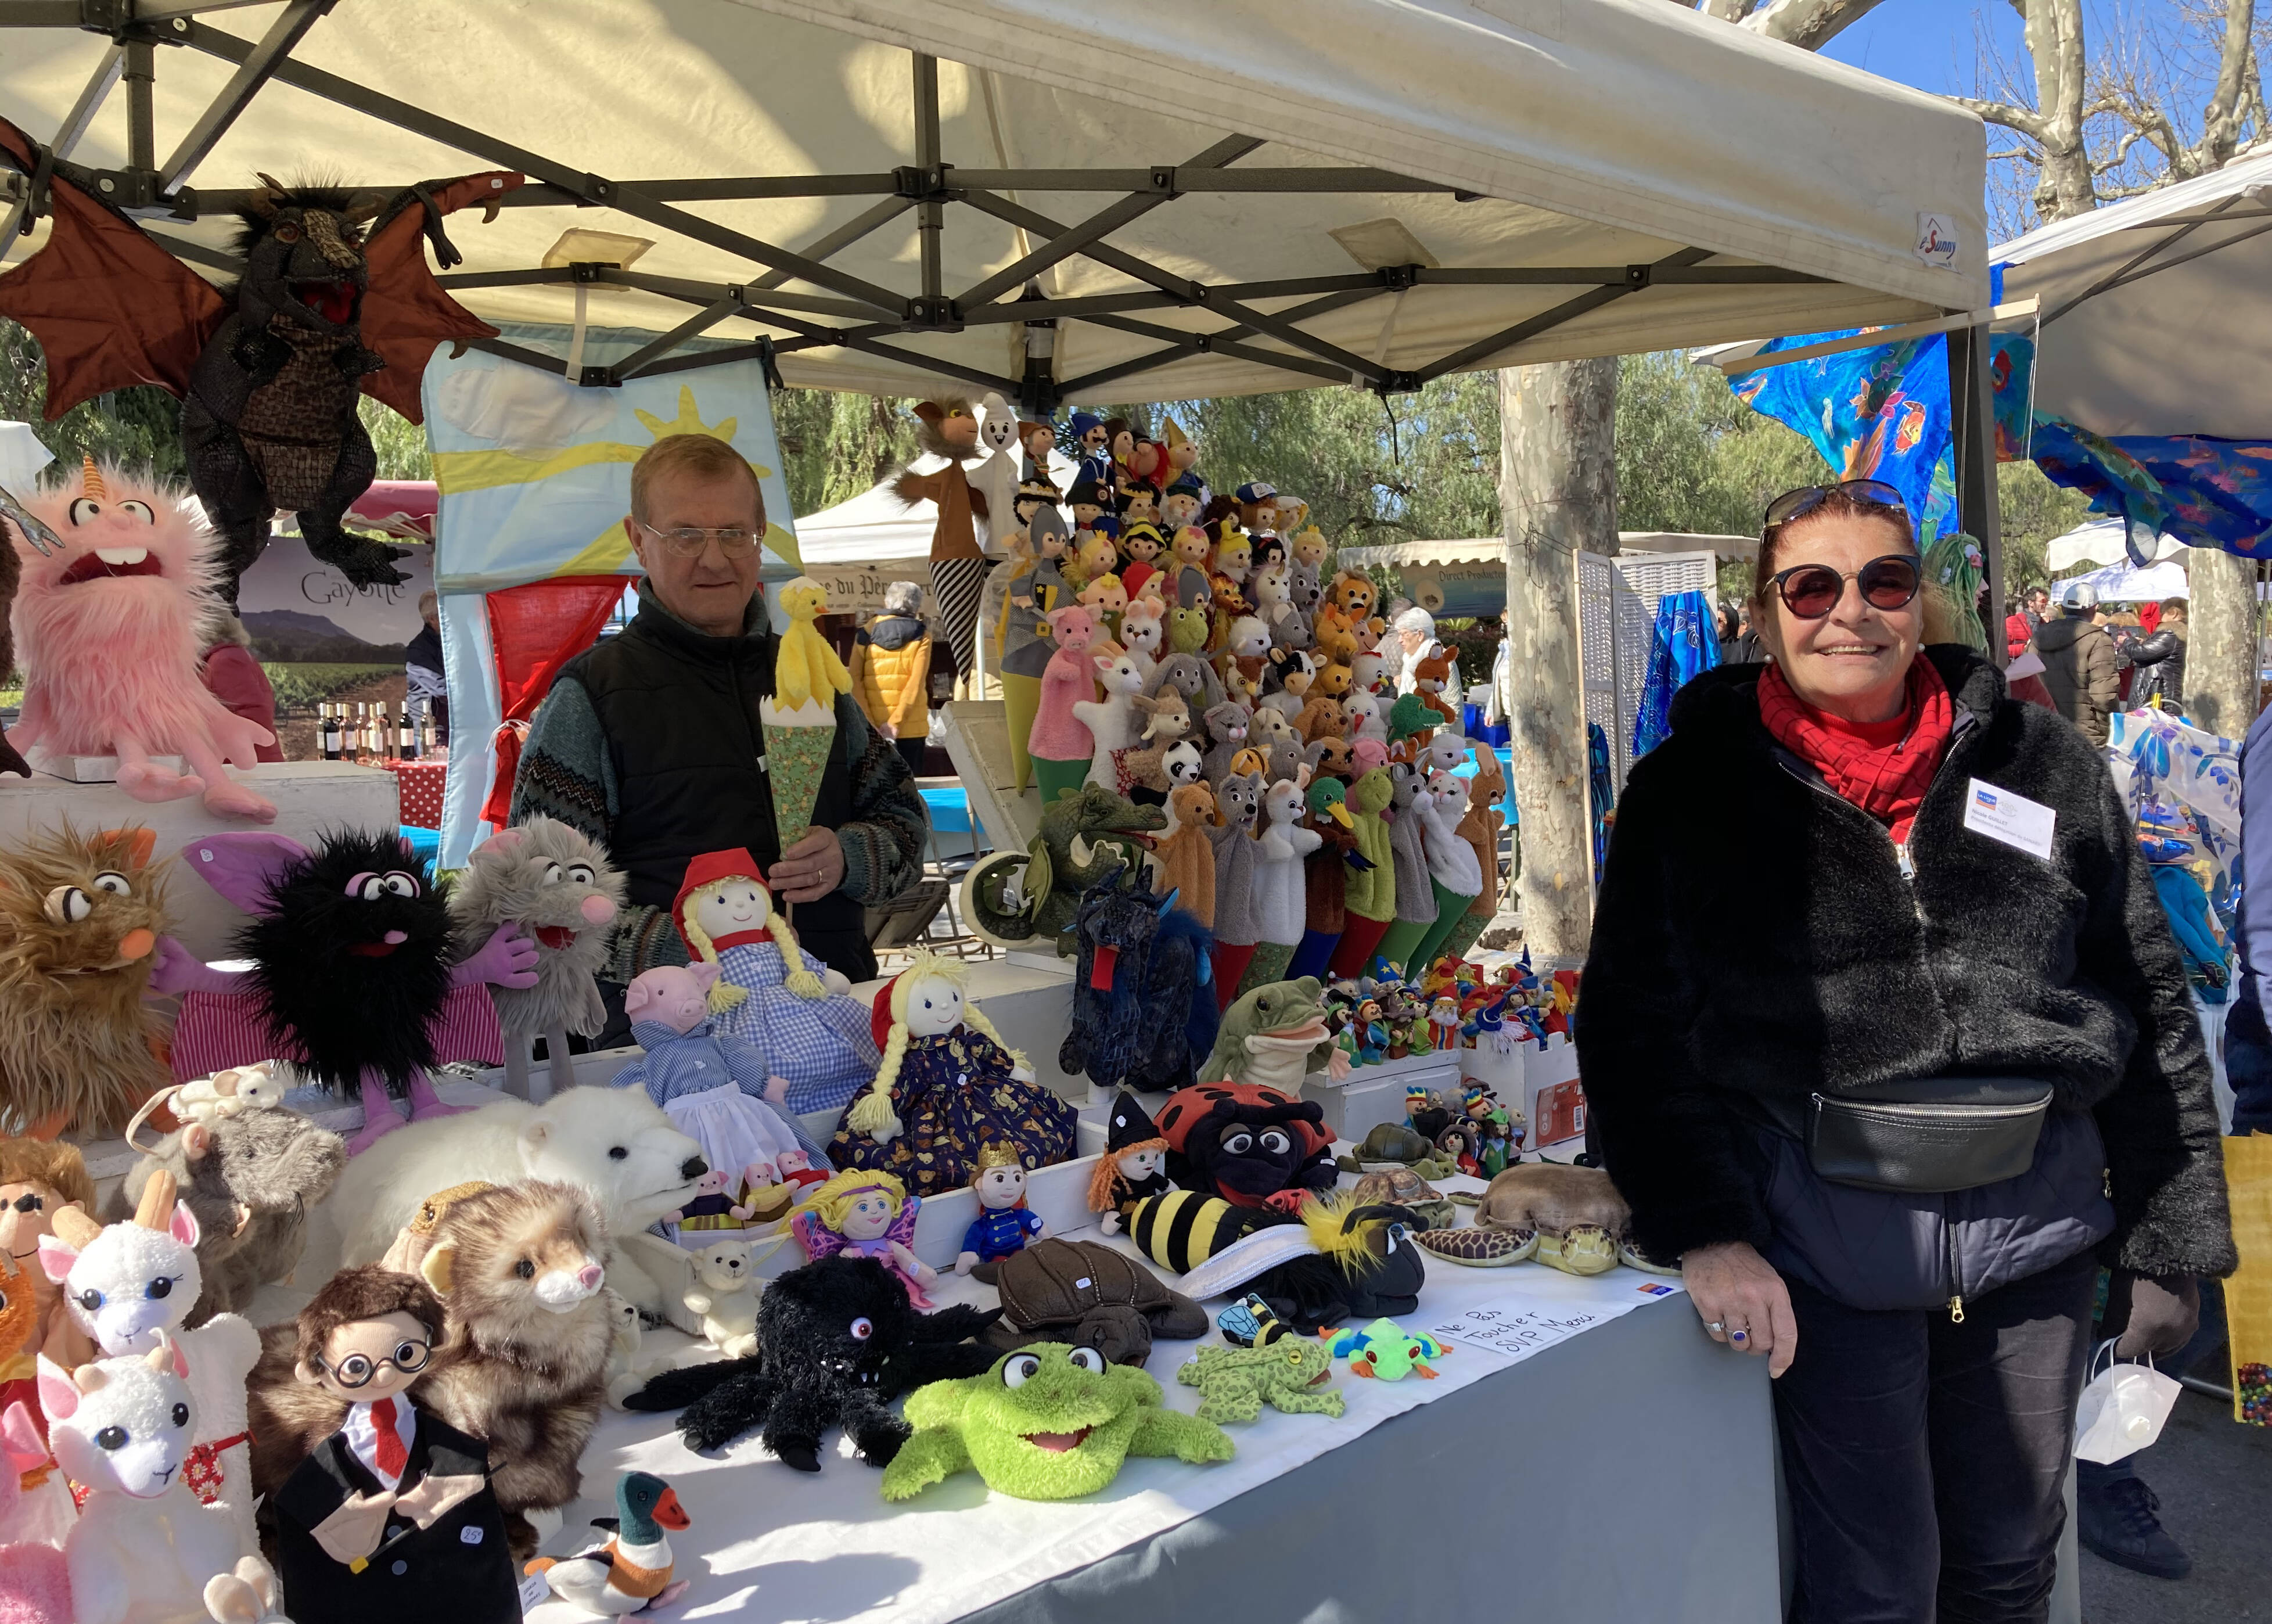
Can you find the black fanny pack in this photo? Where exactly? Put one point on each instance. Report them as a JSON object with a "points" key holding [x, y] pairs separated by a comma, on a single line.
{"points": [[1925, 1135]]}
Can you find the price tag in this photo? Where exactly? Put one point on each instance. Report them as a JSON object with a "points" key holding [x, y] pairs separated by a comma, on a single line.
{"points": [[1516, 1330], [533, 1590]]}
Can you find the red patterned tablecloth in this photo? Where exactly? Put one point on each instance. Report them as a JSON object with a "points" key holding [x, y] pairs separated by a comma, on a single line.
{"points": [[215, 1030], [418, 785]]}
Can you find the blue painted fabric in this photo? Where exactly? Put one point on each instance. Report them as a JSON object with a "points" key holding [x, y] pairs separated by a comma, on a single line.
{"points": [[1683, 644]]}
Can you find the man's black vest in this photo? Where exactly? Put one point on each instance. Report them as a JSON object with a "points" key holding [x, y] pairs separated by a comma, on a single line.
{"points": [[680, 712]]}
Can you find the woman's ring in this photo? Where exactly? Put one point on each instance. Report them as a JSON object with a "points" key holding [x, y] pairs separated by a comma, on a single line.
{"points": [[1717, 1326], [1736, 1335]]}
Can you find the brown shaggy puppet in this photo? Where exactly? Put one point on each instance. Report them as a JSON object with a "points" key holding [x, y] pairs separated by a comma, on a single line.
{"points": [[81, 916], [948, 427], [518, 1268]]}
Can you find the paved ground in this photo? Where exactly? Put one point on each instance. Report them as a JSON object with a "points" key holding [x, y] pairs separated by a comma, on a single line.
{"points": [[2214, 1480]]}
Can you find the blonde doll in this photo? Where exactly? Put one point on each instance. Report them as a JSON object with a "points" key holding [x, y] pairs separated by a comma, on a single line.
{"points": [[870, 1215]]}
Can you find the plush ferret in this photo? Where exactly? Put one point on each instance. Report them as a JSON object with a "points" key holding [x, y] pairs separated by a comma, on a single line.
{"points": [[559, 886], [525, 1363], [840, 1341], [250, 1180], [80, 921]]}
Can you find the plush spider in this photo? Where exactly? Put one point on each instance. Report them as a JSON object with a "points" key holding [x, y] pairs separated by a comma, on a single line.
{"points": [[837, 1341]]}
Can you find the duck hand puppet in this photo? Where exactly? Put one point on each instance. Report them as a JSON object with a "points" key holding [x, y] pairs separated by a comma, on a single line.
{"points": [[630, 1573]]}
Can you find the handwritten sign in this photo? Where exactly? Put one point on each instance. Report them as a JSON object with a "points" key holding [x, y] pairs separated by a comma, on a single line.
{"points": [[1515, 1329]]}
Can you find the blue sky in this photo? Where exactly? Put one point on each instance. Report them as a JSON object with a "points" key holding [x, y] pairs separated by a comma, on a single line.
{"points": [[1931, 44]]}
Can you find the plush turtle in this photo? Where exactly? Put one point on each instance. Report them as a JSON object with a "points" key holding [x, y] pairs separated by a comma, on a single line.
{"points": [[1085, 1294], [1572, 1217], [1048, 1422], [1394, 1144], [1288, 1375], [1403, 1187]]}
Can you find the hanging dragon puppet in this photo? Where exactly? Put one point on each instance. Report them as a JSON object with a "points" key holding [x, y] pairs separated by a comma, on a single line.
{"points": [[269, 367]]}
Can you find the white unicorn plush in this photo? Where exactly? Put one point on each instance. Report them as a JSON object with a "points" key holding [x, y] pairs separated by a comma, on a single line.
{"points": [[130, 1286], [143, 1548]]}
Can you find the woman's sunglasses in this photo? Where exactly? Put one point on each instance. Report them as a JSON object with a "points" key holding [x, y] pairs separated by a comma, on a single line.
{"points": [[1799, 502], [1810, 591]]}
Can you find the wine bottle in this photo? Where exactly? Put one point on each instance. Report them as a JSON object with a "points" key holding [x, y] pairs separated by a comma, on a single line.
{"points": [[327, 743], [406, 743]]}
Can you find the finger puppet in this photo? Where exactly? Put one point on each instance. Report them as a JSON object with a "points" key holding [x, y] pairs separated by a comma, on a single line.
{"points": [[1048, 1422], [269, 366], [250, 1180], [630, 1571], [110, 628], [866, 1214], [725, 1296], [1186, 853], [204, 1101], [351, 977], [129, 1288], [250, 1593], [1571, 1217], [1278, 899], [1059, 742], [1133, 1165], [838, 1341], [1024, 899], [80, 918], [1238, 922], [948, 1090], [1143, 999], [947, 427], [713, 1084], [1384, 1351], [1085, 1294], [1004, 1225], [395, 1508], [798, 1171], [745, 1141], [34, 1573], [1369, 895], [142, 1547], [1288, 1375], [557, 883], [1325, 870], [1334, 1263], [771, 993]]}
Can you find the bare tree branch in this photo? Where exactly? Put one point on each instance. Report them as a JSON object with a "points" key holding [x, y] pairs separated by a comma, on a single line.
{"points": [[1808, 23], [1727, 10], [2034, 125]]}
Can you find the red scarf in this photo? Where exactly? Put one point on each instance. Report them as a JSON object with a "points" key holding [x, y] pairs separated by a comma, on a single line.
{"points": [[1881, 766]]}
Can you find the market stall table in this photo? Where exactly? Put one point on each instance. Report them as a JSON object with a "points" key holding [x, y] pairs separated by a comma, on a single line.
{"points": [[1613, 1463], [420, 783]]}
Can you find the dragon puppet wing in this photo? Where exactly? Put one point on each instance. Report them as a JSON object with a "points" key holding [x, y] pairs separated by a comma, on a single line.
{"points": [[406, 313], [110, 307]]}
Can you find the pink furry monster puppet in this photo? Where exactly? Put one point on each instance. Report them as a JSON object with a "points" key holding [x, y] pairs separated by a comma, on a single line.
{"points": [[35, 1579], [107, 628]]}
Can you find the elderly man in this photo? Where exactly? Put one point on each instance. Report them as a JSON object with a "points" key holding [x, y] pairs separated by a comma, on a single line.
{"points": [[650, 742]]}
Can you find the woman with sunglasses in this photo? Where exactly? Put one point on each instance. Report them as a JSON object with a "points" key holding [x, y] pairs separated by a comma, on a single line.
{"points": [[1950, 1067]]}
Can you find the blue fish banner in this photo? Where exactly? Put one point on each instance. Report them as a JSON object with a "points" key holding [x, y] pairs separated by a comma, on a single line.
{"points": [[1684, 643]]}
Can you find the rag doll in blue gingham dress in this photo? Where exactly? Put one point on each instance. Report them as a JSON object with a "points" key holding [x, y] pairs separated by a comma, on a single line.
{"points": [[777, 998]]}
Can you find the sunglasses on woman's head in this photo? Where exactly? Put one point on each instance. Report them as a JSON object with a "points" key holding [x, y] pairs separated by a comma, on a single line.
{"points": [[1799, 502], [1810, 591]]}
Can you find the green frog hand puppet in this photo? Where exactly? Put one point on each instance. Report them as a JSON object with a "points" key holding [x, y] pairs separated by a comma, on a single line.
{"points": [[1048, 1422]]}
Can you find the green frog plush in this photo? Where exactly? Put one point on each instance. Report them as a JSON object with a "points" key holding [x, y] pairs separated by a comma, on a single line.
{"points": [[1235, 1382], [1048, 1422]]}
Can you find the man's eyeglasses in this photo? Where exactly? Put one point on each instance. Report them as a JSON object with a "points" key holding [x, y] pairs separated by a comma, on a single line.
{"points": [[688, 541], [1810, 591], [1799, 502], [358, 1369]]}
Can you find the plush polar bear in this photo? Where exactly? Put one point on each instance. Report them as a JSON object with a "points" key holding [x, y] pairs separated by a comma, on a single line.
{"points": [[725, 1294], [615, 1144]]}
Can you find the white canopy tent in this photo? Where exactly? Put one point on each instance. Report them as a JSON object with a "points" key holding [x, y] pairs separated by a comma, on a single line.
{"points": [[1553, 180], [2156, 313], [2127, 583], [2099, 542]]}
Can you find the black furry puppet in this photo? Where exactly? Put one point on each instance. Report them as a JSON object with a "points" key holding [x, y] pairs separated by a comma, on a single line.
{"points": [[351, 976], [837, 1341]]}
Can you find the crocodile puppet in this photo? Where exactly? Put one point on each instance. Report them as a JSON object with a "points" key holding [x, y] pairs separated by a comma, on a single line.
{"points": [[1233, 1383], [1022, 901], [1048, 1422]]}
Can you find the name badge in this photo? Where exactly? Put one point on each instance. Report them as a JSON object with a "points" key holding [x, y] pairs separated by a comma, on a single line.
{"points": [[2012, 819]]}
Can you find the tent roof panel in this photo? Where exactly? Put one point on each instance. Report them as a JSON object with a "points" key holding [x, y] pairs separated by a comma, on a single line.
{"points": [[1580, 133]]}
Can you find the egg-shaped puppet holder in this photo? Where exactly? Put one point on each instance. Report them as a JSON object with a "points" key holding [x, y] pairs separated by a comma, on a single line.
{"points": [[558, 884], [353, 977], [80, 919], [838, 1342], [110, 630], [772, 994], [947, 1088], [1048, 1422]]}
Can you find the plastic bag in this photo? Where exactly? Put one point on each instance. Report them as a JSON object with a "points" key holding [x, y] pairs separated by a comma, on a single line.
{"points": [[2122, 1410]]}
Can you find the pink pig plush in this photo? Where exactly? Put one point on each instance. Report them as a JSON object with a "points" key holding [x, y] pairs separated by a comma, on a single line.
{"points": [[678, 995], [1058, 735]]}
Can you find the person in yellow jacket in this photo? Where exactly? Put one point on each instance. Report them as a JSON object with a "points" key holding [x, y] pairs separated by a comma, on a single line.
{"points": [[891, 671]]}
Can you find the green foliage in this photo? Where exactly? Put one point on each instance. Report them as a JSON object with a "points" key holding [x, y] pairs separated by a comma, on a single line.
{"points": [[298, 684], [135, 428], [835, 445], [1691, 457], [401, 443], [2032, 512]]}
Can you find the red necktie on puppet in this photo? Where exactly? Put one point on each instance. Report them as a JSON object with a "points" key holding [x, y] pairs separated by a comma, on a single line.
{"points": [[392, 1457]]}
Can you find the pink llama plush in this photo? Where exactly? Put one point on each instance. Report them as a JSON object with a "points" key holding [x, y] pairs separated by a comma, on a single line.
{"points": [[109, 632]]}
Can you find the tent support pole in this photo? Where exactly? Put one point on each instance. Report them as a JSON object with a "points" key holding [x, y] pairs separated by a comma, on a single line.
{"points": [[931, 216], [1972, 423], [259, 66], [141, 72], [1637, 277]]}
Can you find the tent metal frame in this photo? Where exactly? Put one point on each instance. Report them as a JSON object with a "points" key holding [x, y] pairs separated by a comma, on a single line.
{"points": [[850, 312]]}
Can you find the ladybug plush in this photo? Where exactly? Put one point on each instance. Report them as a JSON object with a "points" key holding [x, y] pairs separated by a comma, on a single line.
{"points": [[1251, 1144]]}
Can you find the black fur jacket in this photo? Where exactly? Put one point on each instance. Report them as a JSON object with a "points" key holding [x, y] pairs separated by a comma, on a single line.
{"points": [[1755, 935]]}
